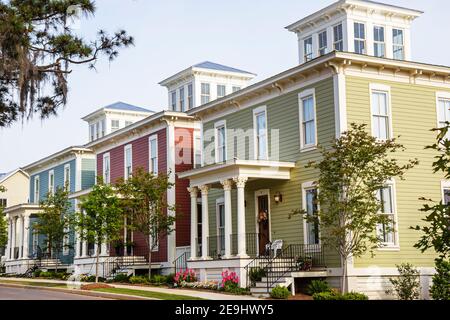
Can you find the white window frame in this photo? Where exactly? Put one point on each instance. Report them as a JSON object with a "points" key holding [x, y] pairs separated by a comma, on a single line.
{"points": [[220, 202], [308, 56], [309, 185], [181, 99], [150, 155], [118, 125], [381, 88], [103, 127], [190, 96], [379, 42], [340, 41], [173, 100], [224, 91], [445, 184], [106, 179], [302, 95], [236, 88], [218, 125], [322, 50], [197, 146], [360, 39], [37, 189], [397, 45], [67, 176], [92, 132], [126, 148], [257, 111], [441, 96], [51, 188], [97, 130], [204, 95], [392, 246]]}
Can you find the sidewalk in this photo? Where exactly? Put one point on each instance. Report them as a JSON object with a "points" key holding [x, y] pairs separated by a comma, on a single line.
{"points": [[186, 292]]}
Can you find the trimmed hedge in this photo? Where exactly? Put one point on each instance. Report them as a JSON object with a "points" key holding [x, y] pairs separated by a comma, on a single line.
{"points": [[280, 292], [334, 295]]}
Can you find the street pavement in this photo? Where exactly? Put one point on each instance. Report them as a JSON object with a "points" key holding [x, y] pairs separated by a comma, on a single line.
{"points": [[10, 293]]}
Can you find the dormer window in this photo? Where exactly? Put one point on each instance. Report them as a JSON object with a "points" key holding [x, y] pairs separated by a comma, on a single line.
{"points": [[221, 90], [338, 40], [398, 44], [173, 101], [115, 125], [190, 96], [378, 42], [92, 132], [360, 38], [308, 49], [182, 106], [205, 93], [323, 43]]}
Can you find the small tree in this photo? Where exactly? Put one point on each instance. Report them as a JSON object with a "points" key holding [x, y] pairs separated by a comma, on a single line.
{"points": [[3, 225], [407, 284], [440, 290], [351, 173], [144, 197], [100, 218], [54, 221]]}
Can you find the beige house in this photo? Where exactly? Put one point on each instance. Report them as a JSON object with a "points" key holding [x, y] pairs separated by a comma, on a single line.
{"points": [[16, 184]]}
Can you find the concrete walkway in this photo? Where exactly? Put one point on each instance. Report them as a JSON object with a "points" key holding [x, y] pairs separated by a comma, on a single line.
{"points": [[186, 292]]}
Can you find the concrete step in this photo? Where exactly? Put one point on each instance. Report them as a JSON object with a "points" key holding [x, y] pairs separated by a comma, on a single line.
{"points": [[262, 284]]}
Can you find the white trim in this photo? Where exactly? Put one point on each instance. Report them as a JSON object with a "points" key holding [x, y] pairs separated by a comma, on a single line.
{"points": [[256, 112], [150, 140], [36, 195], [258, 193], [305, 94], [396, 246], [106, 155], [220, 201], [171, 193], [445, 184], [51, 188], [197, 134], [340, 103], [218, 125], [78, 167], [125, 149], [440, 95], [381, 88], [308, 186], [67, 177]]}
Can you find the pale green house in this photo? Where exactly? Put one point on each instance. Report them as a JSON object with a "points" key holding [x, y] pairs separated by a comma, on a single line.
{"points": [[256, 142]]}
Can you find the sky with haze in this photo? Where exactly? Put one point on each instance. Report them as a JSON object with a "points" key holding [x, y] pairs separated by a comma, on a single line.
{"points": [[171, 35]]}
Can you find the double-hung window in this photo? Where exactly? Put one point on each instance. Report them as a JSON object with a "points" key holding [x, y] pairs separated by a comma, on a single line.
{"points": [[260, 125], [103, 127], [128, 161], [182, 105], [236, 88], [197, 149], [51, 182], [221, 228], [360, 38], [3, 203], [153, 147], [444, 113], [221, 90], [398, 44], [173, 100], [323, 43], [92, 132], [307, 49], [190, 96], [338, 38], [205, 93], [307, 119], [220, 139], [97, 129], [310, 205], [380, 115], [37, 186], [67, 176], [386, 230], [379, 47], [106, 168], [115, 125]]}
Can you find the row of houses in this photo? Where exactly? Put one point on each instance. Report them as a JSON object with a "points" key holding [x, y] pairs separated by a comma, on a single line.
{"points": [[237, 151]]}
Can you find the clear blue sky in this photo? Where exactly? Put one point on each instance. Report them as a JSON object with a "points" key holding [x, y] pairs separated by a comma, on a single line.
{"points": [[174, 34]]}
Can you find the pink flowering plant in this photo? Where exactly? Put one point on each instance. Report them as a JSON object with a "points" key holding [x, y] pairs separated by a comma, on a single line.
{"points": [[230, 281], [187, 275]]}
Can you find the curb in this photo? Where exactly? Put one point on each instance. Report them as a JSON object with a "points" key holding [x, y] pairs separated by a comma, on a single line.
{"points": [[113, 296]]}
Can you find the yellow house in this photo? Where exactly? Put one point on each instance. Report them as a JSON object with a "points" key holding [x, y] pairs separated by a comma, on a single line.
{"points": [[16, 184]]}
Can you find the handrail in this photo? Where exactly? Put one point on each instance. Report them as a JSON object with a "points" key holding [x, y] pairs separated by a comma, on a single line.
{"points": [[180, 263]]}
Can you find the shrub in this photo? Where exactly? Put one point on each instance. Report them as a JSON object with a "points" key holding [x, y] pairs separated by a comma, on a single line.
{"points": [[158, 279], [230, 281], [37, 273], [440, 290], [354, 296], [121, 277], [317, 286], [169, 279], [91, 278], [407, 285], [187, 276], [280, 292], [139, 280], [335, 295], [256, 274]]}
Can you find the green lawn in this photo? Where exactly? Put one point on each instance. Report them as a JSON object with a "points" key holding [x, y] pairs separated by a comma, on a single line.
{"points": [[147, 294], [36, 284]]}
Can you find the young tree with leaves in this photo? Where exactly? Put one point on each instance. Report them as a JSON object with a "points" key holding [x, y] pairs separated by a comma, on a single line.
{"points": [[54, 221], [144, 197], [3, 225], [436, 230], [38, 49], [100, 218], [352, 173]]}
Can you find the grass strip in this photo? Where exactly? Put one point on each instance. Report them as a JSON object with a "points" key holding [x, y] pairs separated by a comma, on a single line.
{"points": [[35, 284], [147, 294]]}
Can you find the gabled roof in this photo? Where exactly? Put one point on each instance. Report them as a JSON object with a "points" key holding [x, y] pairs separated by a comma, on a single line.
{"points": [[215, 66], [5, 176], [118, 106]]}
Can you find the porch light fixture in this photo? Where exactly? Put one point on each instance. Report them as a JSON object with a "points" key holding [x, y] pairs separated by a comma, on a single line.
{"points": [[278, 197]]}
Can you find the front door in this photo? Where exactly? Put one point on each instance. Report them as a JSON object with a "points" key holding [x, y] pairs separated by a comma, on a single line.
{"points": [[263, 223]]}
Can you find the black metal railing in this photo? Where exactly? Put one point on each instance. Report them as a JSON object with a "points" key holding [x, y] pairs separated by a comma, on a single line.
{"points": [[180, 263], [251, 241], [295, 257], [216, 246]]}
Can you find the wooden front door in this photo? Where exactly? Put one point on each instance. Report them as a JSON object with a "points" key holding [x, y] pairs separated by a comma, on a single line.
{"points": [[263, 223]]}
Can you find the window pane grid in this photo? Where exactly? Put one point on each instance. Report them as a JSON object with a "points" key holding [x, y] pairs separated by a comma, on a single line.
{"points": [[379, 44], [386, 229], [380, 115], [308, 121], [338, 38], [308, 49], [360, 38], [322, 43]]}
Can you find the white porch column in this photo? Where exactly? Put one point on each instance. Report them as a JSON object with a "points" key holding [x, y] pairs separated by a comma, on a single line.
{"points": [[13, 238], [26, 236], [242, 247], [228, 222], [84, 248], [8, 245], [77, 244], [20, 228], [194, 192], [104, 248], [125, 237], [205, 221]]}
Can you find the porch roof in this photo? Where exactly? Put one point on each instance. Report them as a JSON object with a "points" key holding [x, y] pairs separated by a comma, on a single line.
{"points": [[251, 169], [21, 209]]}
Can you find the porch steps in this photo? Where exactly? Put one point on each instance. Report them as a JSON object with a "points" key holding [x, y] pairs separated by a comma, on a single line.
{"points": [[260, 288]]}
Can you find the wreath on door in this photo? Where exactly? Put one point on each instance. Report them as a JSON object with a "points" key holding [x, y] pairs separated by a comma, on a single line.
{"points": [[263, 216]]}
